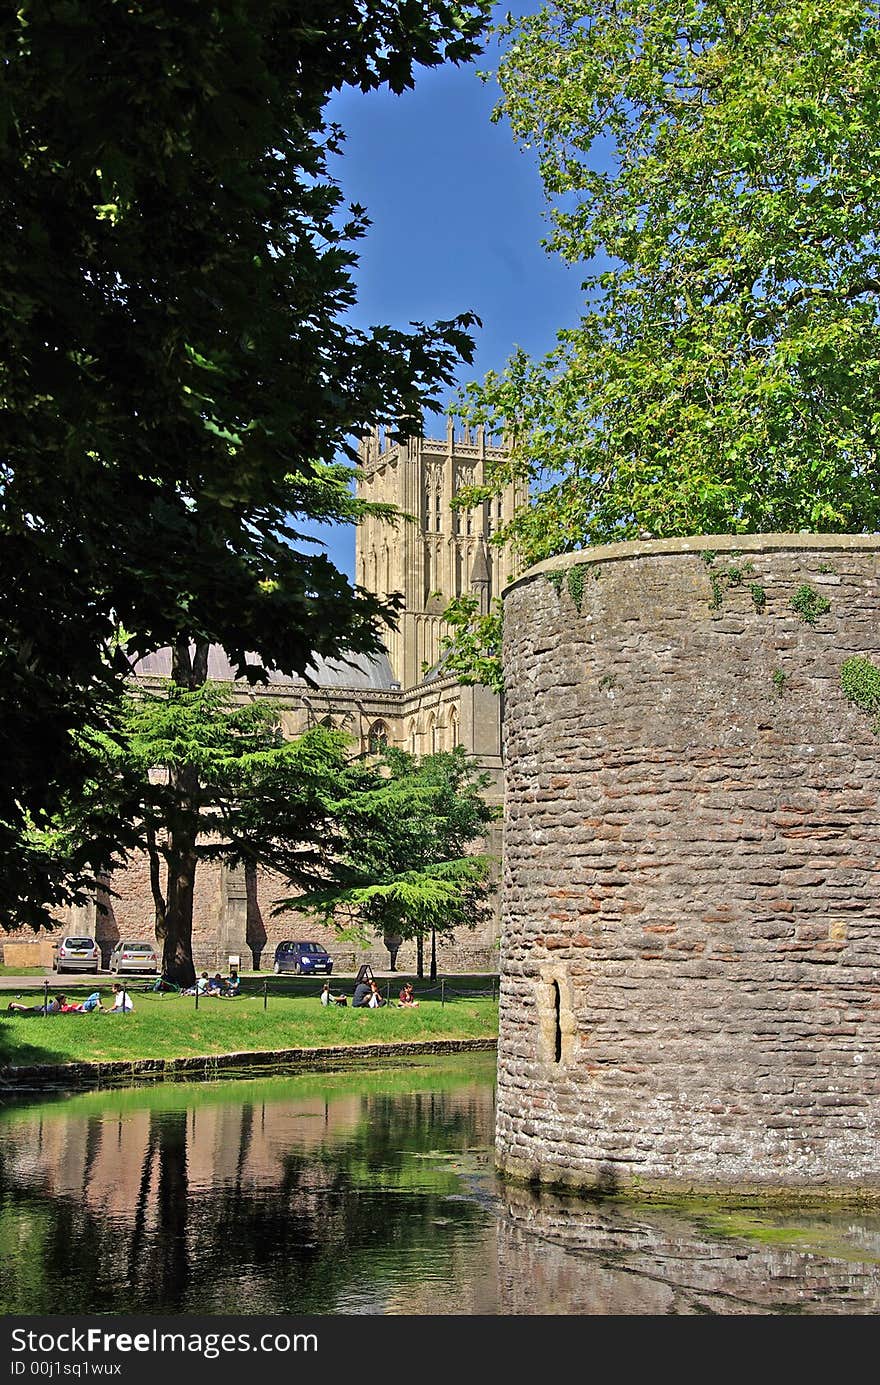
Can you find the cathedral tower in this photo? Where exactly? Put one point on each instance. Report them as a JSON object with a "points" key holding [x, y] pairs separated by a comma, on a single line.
{"points": [[441, 553]]}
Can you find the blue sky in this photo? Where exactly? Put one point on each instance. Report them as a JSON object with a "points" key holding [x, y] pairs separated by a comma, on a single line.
{"points": [[457, 221]]}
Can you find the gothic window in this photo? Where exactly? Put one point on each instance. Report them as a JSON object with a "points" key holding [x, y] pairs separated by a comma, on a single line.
{"points": [[377, 738], [453, 728], [438, 512], [428, 510], [413, 738]]}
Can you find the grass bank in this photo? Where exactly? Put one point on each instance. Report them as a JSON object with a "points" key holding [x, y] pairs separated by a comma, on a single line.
{"points": [[286, 1017]]}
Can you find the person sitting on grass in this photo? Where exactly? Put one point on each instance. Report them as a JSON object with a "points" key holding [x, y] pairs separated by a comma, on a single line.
{"points": [[122, 1001], [361, 995], [375, 999], [231, 987], [45, 1007], [407, 999], [215, 985], [328, 998]]}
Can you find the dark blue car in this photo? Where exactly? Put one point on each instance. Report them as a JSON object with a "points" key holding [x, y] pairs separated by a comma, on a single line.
{"points": [[303, 959]]}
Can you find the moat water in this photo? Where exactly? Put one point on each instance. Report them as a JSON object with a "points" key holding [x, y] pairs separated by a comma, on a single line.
{"points": [[368, 1193]]}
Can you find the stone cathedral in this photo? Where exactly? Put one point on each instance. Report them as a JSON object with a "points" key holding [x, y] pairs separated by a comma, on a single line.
{"points": [[402, 697]]}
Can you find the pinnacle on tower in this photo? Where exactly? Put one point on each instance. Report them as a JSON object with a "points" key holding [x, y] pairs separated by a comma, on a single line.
{"points": [[480, 580]]}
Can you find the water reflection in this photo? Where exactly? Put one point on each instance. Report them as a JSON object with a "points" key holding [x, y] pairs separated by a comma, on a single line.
{"points": [[366, 1193], [329, 1194], [613, 1258]]}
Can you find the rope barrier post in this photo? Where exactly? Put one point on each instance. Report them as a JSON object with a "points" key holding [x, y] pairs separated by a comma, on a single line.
{"points": [[442, 990], [265, 993], [45, 997], [197, 994], [124, 999], [387, 991]]}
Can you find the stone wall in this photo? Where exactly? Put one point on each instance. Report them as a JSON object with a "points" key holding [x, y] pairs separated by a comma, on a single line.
{"points": [[232, 916], [691, 901]]}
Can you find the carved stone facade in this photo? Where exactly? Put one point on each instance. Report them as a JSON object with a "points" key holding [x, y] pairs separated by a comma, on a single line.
{"points": [[446, 552], [399, 699], [690, 993]]}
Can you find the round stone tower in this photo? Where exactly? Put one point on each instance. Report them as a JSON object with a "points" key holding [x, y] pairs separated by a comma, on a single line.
{"points": [[690, 991]]}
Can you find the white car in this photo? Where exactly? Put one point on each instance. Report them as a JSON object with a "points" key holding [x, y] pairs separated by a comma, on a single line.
{"points": [[76, 954], [134, 957]]}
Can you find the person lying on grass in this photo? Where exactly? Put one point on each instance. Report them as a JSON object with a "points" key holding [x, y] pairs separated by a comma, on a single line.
{"points": [[55, 1006], [58, 1005]]}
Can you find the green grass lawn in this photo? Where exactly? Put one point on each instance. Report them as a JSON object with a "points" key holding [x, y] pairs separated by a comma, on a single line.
{"points": [[288, 1016], [23, 971]]}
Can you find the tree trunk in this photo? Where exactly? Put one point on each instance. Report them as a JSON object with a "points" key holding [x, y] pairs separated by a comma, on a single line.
{"points": [[177, 958], [189, 669], [420, 954], [433, 954]]}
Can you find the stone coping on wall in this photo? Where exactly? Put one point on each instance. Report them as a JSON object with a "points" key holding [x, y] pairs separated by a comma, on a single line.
{"points": [[699, 543], [19, 1080]]}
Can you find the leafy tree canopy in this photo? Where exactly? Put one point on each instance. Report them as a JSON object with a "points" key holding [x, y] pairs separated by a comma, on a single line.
{"points": [[471, 646], [401, 863], [201, 776], [176, 371], [716, 169]]}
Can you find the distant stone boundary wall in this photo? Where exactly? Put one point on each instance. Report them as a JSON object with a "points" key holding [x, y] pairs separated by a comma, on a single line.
{"points": [[690, 992], [20, 1079]]}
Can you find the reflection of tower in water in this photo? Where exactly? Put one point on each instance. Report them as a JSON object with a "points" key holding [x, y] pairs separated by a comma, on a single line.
{"points": [[561, 1254]]}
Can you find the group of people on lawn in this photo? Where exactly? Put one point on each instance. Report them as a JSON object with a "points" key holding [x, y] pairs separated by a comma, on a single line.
{"points": [[224, 988], [368, 996], [62, 1004]]}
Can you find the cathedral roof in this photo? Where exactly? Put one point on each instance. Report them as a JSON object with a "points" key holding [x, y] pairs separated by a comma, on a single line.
{"points": [[355, 671]]}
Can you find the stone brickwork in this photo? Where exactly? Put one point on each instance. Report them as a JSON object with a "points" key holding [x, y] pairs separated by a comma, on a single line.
{"points": [[691, 895]]}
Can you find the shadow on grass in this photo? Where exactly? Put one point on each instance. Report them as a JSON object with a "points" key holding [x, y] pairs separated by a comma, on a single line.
{"points": [[25, 1039]]}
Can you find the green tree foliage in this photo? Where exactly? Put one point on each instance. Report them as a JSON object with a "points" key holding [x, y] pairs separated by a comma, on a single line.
{"points": [[176, 370], [471, 649], [716, 169], [401, 863], [204, 777]]}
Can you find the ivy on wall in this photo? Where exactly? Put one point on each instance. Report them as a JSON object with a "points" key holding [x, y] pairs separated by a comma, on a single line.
{"points": [[809, 605], [574, 579], [860, 681]]}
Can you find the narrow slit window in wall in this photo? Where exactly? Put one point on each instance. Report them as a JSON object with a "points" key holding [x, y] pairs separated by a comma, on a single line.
{"points": [[557, 1017]]}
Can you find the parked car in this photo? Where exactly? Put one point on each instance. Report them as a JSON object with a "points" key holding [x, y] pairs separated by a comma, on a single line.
{"points": [[134, 957], [76, 954], [302, 958]]}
